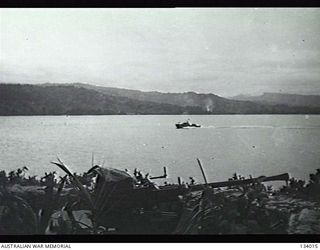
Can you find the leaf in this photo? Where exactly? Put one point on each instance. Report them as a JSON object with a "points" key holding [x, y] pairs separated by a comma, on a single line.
{"points": [[75, 181]]}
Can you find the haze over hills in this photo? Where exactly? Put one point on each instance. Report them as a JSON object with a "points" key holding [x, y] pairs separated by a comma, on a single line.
{"points": [[85, 99], [291, 100]]}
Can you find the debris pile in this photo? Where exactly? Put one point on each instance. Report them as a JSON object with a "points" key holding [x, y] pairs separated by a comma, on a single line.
{"points": [[111, 201]]}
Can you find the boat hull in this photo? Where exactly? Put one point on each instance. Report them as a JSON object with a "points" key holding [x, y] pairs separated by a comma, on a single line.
{"points": [[185, 125]]}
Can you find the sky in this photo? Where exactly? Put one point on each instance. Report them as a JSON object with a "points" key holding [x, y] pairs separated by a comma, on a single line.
{"points": [[225, 51]]}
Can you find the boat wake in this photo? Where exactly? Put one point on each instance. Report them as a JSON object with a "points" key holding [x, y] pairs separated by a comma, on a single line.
{"points": [[258, 127]]}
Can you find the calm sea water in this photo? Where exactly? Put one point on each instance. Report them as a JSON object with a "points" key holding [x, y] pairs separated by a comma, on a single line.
{"points": [[246, 144]]}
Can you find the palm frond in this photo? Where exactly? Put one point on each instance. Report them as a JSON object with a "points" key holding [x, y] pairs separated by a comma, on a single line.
{"points": [[75, 181]]}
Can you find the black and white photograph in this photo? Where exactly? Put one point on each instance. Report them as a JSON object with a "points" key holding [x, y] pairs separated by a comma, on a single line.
{"points": [[159, 121]]}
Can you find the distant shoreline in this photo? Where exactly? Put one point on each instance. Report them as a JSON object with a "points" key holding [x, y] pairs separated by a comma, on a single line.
{"points": [[85, 99], [160, 114]]}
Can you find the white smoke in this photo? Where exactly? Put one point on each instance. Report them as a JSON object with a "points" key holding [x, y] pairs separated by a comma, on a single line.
{"points": [[209, 105]]}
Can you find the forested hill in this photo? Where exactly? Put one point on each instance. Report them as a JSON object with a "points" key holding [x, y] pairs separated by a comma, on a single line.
{"points": [[83, 99], [16, 99], [214, 104]]}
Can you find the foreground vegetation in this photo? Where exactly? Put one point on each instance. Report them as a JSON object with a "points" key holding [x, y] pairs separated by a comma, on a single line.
{"points": [[106, 201]]}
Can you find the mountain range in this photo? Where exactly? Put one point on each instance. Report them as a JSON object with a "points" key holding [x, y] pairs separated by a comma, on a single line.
{"points": [[85, 99]]}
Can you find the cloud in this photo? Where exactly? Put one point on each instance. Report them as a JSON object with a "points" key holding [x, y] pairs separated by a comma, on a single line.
{"points": [[224, 51]]}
